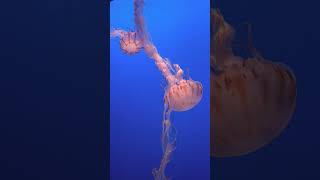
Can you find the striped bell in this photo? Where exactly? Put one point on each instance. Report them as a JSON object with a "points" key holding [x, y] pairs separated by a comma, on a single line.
{"points": [[252, 100]]}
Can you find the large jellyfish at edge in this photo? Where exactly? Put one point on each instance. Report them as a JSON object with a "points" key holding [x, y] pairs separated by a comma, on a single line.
{"points": [[180, 95], [252, 100]]}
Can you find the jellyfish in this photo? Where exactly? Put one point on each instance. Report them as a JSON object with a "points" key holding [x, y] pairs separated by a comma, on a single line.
{"points": [[129, 42], [181, 93], [252, 100], [132, 41]]}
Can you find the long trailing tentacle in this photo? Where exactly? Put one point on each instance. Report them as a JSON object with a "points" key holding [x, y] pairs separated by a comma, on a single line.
{"points": [[168, 144], [253, 51]]}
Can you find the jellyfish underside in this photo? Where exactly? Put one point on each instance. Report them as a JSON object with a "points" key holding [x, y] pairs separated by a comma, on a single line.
{"points": [[129, 41], [179, 97], [181, 94], [252, 100]]}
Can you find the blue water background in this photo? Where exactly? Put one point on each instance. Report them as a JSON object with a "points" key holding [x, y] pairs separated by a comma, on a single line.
{"points": [[180, 31], [287, 32]]}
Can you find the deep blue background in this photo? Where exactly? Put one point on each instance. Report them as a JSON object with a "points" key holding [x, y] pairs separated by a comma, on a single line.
{"points": [[285, 31], [53, 90], [180, 30]]}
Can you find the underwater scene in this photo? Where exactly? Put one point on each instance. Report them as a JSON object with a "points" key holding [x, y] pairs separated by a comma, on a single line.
{"points": [[264, 90], [159, 89]]}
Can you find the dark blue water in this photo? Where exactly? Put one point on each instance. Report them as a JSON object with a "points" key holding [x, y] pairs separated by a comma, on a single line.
{"points": [[285, 31], [180, 30], [54, 90]]}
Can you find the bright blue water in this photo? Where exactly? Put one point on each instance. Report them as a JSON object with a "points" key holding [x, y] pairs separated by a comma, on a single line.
{"points": [[180, 30], [285, 31]]}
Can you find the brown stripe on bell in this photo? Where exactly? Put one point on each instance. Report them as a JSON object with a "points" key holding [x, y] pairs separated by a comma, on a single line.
{"points": [[252, 100], [181, 96], [130, 43]]}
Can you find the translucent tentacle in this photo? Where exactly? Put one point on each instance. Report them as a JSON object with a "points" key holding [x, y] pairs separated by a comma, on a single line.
{"points": [[168, 144], [117, 33], [253, 51]]}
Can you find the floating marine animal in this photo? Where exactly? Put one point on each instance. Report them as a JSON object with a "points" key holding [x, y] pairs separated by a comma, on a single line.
{"points": [[252, 100]]}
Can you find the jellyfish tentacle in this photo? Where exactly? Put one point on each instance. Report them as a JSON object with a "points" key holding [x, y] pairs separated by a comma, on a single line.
{"points": [[117, 33], [252, 50], [168, 144], [179, 72], [168, 63], [180, 94]]}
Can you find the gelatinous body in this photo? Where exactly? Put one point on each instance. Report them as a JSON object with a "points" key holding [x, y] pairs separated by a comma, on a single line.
{"points": [[183, 95], [252, 100], [129, 41]]}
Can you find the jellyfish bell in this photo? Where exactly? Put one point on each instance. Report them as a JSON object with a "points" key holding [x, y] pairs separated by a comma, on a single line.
{"points": [[183, 95], [252, 100], [130, 43], [250, 106]]}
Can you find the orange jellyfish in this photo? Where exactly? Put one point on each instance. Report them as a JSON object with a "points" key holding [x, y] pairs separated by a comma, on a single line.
{"points": [[181, 94], [129, 42], [252, 100], [184, 95]]}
